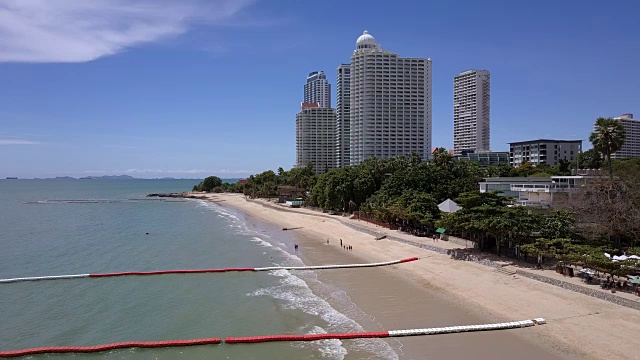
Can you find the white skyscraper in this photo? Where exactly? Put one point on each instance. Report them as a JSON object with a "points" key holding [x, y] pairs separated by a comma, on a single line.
{"points": [[390, 103], [343, 111], [317, 89], [631, 145], [316, 137], [471, 111]]}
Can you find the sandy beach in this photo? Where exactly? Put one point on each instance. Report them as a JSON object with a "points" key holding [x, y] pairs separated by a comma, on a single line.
{"points": [[439, 291]]}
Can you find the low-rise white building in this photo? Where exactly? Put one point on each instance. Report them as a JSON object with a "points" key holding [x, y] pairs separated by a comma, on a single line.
{"points": [[505, 184], [548, 194], [539, 191]]}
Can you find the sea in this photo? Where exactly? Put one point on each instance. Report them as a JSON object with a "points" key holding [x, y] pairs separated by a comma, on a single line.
{"points": [[59, 227]]}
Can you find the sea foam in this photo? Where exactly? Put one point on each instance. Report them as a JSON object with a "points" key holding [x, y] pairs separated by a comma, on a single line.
{"points": [[295, 293]]}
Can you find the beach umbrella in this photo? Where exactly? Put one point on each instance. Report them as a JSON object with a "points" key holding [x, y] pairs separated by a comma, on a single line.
{"points": [[449, 206]]}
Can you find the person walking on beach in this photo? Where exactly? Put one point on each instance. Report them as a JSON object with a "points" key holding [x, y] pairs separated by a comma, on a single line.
{"points": [[327, 241], [295, 247], [340, 242]]}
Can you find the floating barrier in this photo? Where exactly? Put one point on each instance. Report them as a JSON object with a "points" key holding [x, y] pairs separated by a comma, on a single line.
{"points": [[99, 201], [270, 338], [345, 266], [203, 271], [164, 272], [308, 337], [107, 347], [385, 334]]}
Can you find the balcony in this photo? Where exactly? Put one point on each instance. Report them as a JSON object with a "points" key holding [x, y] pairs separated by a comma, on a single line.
{"points": [[531, 188]]}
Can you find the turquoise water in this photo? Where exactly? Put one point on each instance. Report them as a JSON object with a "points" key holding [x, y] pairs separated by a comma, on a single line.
{"points": [[42, 236]]}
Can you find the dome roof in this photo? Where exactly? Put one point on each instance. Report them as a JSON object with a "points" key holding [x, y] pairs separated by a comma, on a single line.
{"points": [[366, 39]]}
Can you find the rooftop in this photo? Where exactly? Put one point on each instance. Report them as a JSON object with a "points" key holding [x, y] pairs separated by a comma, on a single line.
{"points": [[520, 179], [472, 71], [366, 38], [545, 140], [626, 117], [366, 41], [316, 74]]}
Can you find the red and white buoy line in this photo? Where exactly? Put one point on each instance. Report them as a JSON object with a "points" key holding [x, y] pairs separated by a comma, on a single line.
{"points": [[270, 338], [201, 271], [385, 334], [108, 347]]}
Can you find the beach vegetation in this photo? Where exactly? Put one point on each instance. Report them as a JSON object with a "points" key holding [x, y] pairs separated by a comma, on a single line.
{"points": [[265, 184], [412, 209], [208, 184], [590, 159]]}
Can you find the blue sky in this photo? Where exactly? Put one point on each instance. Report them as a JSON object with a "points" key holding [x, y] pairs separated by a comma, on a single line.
{"points": [[192, 88]]}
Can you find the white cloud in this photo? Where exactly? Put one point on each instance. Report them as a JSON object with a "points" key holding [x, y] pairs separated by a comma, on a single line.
{"points": [[85, 30], [19, 142]]}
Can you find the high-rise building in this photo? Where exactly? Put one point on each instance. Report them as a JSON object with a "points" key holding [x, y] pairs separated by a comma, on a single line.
{"points": [[471, 112], [317, 90], [390, 103], [543, 151], [343, 111], [316, 137], [631, 146]]}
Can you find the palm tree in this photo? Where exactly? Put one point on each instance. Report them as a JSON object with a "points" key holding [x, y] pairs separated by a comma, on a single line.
{"points": [[607, 138]]}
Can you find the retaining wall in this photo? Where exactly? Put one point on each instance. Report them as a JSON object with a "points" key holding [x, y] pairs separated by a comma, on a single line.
{"points": [[582, 290], [462, 242]]}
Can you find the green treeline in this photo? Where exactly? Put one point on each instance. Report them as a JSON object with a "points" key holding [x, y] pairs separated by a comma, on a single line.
{"points": [[602, 217]]}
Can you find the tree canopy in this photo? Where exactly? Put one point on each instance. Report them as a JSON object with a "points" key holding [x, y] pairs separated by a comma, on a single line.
{"points": [[604, 216], [590, 159], [208, 184]]}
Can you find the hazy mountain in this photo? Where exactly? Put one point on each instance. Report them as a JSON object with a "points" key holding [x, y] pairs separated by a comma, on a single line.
{"points": [[108, 177]]}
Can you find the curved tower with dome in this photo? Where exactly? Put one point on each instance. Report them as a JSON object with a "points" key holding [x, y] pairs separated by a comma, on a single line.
{"points": [[366, 41], [390, 103]]}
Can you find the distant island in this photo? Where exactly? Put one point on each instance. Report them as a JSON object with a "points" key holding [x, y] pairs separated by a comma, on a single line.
{"points": [[108, 177]]}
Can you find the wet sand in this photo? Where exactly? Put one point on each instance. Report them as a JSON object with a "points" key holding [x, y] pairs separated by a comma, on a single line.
{"points": [[439, 291], [398, 303]]}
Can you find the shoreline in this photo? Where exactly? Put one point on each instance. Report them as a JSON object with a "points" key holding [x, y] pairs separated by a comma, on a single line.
{"points": [[577, 325]]}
